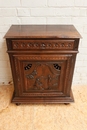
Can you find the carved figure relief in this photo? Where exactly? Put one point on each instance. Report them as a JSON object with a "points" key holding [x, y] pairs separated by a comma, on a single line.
{"points": [[42, 76]]}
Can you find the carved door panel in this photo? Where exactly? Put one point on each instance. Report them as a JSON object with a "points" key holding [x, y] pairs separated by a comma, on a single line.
{"points": [[42, 75]]}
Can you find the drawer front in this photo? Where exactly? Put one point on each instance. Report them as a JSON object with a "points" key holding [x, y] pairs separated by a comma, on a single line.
{"points": [[43, 44]]}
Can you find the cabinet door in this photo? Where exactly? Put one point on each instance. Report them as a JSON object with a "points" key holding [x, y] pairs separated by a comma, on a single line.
{"points": [[42, 75]]}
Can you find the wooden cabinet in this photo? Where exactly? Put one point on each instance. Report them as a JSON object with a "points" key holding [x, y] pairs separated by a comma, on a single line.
{"points": [[42, 59]]}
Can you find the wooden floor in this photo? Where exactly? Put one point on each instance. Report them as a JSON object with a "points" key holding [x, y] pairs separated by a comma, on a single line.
{"points": [[43, 117]]}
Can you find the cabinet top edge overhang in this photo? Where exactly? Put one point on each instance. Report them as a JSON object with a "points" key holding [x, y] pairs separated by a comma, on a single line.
{"points": [[42, 31]]}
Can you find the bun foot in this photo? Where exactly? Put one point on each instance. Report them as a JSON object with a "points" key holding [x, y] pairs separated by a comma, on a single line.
{"points": [[66, 103], [18, 104]]}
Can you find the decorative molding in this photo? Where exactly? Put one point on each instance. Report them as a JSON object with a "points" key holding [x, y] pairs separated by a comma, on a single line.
{"points": [[26, 44], [42, 94], [17, 71], [40, 57], [67, 71]]}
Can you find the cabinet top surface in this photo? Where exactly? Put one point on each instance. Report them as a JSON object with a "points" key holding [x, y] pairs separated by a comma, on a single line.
{"points": [[42, 31]]}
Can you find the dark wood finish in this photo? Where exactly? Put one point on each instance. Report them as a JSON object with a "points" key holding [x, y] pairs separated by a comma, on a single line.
{"points": [[43, 44], [42, 31], [42, 60]]}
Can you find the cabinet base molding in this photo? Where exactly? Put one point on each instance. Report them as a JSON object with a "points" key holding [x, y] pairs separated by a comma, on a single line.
{"points": [[43, 100]]}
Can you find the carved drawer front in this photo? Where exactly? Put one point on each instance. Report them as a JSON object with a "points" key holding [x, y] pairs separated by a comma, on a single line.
{"points": [[43, 44], [42, 75]]}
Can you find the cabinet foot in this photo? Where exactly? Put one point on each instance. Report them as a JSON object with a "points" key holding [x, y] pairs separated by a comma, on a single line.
{"points": [[18, 104], [66, 103]]}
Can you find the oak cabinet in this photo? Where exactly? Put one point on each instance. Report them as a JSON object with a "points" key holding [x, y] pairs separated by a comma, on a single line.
{"points": [[42, 59]]}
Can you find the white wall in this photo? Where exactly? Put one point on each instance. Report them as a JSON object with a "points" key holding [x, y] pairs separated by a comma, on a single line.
{"points": [[44, 12]]}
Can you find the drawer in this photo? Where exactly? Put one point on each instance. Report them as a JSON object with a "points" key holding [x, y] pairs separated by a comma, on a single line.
{"points": [[43, 44]]}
